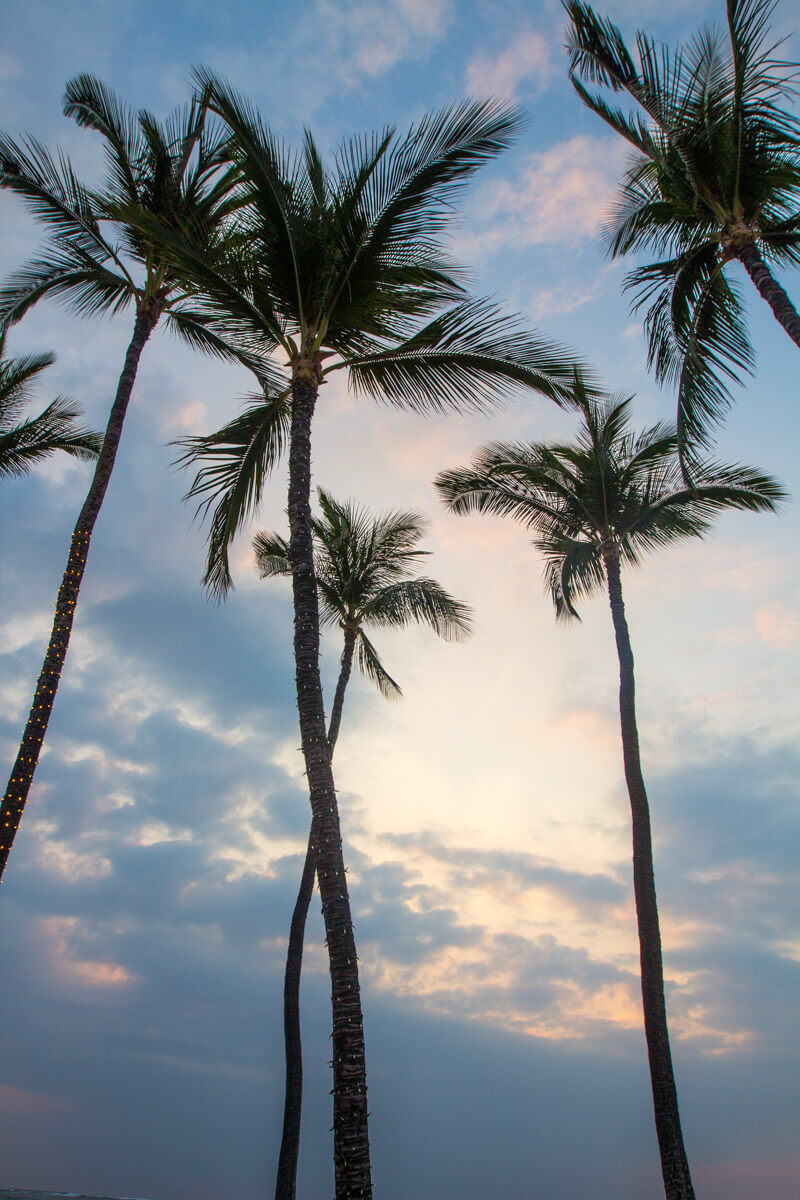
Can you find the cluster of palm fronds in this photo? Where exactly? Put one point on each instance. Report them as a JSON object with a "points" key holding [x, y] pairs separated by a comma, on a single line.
{"points": [[208, 224]]}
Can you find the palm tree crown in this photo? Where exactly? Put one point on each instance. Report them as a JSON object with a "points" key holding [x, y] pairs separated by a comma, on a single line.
{"points": [[342, 268], [101, 257], [610, 492], [25, 442], [715, 177], [362, 566]]}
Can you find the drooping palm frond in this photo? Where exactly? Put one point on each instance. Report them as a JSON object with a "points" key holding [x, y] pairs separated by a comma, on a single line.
{"points": [[89, 102], [236, 460], [573, 569], [272, 555], [697, 339], [370, 665]]}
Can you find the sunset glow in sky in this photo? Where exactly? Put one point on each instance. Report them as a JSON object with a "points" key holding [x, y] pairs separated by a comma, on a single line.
{"points": [[144, 912]]}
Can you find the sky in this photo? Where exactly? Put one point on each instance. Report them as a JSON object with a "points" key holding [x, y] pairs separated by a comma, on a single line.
{"points": [[144, 911]]}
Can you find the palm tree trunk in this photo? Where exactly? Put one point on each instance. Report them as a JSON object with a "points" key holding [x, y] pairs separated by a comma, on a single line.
{"points": [[345, 668], [771, 290], [30, 748], [350, 1131], [674, 1164], [286, 1181]]}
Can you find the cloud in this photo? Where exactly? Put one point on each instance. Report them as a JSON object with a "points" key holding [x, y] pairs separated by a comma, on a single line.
{"points": [[563, 194], [778, 625], [527, 58], [571, 294], [560, 196], [347, 45], [379, 36]]}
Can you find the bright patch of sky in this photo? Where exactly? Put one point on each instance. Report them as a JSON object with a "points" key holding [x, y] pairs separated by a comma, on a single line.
{"points": [[144, 913]]}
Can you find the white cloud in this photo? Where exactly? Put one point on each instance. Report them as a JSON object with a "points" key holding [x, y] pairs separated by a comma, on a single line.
{"points": [[563, 194], [340, 45], [384, 34], [527, 57]]}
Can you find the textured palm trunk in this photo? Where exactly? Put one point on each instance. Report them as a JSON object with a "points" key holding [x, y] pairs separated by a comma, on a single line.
{"points": [[286, 1182], [350, 1132], [770, 290], [674, 1164], [30, 748]]}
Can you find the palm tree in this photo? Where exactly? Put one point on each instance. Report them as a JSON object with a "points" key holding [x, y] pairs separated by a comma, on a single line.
{"points": [[362, 566], [342, 269], [25, 442], [594, 505], [172, 172], [715, 178]]}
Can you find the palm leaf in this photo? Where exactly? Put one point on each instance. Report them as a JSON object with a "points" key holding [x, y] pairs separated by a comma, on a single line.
{"points": [[238, 458], [272, 555], [55, 428], [370, 665], [415, 602], [470, 357]]}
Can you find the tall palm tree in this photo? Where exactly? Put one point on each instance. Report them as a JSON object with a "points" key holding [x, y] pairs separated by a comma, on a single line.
{"points": [[362, 566], [595, 505], [25, 442], [715, 178], [98, 261], [342, 269]]}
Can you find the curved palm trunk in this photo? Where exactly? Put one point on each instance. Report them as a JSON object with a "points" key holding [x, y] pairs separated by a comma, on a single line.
{"points": [[674, 1164], [286, 1181], [345, 667], [771, 290], [32, 739], [350, 1132]]}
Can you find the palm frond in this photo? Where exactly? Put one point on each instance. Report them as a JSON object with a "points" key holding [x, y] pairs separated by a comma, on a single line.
{"points": [[50, 190], [573, 570], [17, 376], [469, 358], [237, 460], [410, 192], [272, 555], [416, 602], [71, 277], [204, 332], [93, 105], [370, 665], [56, 428]]}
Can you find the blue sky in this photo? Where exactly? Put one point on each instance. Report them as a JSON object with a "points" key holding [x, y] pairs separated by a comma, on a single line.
{"points": [[145, 908]]}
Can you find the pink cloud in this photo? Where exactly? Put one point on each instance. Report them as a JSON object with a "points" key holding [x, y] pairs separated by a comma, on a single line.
{"points": [[778, 625], [564, 193], [16, 1102]]}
